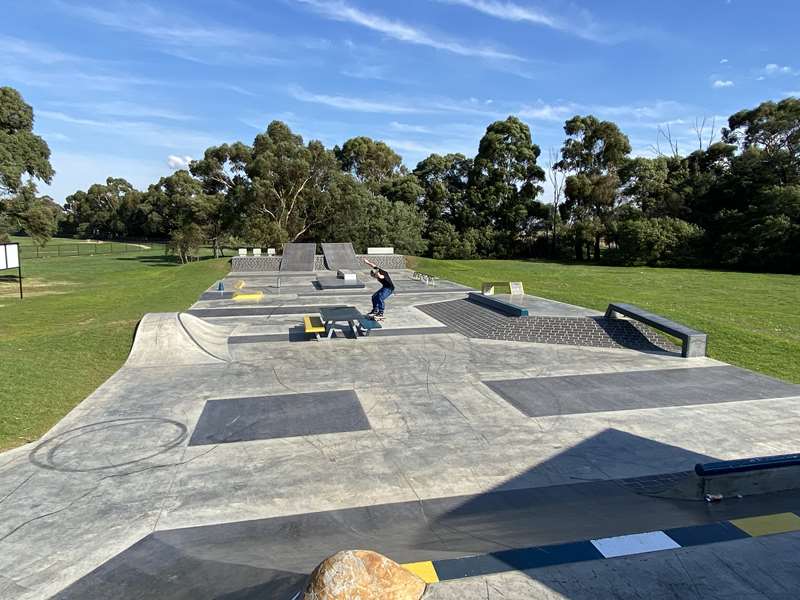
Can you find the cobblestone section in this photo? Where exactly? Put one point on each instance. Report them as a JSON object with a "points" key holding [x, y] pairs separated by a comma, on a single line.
{"points": [[253, 264], [250, 264], [477, 321]]}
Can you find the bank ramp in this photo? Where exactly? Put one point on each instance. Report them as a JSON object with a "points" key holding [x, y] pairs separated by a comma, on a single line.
{"points": [[169, 339], [298, 257], [341, 256]]}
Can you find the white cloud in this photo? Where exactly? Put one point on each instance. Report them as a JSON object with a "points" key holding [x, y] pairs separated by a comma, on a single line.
{"points": [[658, 110], [338, 10], [722, 83], [78, 171], [723, 61], [548, 112], [773, 69], [376, 72], [407, 106], [419, 150], [351, 103], [140, 132], [233, 88], [128, 110], [34, 52], [178, 162], [186, 38], [170, 29], [579, 23], [409, 128]]}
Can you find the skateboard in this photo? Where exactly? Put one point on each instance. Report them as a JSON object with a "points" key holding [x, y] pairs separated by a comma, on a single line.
{"points": [[375, 318]]}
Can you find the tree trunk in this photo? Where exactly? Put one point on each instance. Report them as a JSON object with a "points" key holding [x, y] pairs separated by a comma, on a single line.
{"points": [[597, 247], [578, 249]]}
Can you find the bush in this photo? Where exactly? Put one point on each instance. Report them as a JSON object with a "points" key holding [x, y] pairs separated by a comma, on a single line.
{"points": [[655, 242]]}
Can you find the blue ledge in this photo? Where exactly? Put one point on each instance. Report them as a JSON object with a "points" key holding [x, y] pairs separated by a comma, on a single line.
{"points": [[507, 308], [747, 464]]}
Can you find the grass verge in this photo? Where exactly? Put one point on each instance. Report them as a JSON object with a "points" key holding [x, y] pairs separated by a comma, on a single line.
{"points": [[75, 326]]}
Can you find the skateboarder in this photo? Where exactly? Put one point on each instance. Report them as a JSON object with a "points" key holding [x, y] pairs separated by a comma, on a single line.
{"points": [[379, 297]]}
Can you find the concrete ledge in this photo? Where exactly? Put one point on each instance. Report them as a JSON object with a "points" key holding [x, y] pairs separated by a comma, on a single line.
{"points": [[254, 264], [507, 308], [694, 342]]}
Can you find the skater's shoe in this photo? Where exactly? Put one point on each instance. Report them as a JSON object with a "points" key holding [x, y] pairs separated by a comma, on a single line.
{"points": [[378, 317], [371, 314]]}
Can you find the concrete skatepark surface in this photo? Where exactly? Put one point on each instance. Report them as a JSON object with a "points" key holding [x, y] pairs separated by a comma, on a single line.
{"points": [[341, 256], [298, 257], [211, 465]]}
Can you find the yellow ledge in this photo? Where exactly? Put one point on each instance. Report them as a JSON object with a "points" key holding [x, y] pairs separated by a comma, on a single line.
{"points": [[424, 570], [244, 296]]}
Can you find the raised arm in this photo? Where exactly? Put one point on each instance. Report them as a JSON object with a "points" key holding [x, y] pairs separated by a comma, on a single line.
{"points": [[370, 263]]}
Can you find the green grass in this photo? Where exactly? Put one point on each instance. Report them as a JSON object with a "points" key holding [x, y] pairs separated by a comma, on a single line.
{"points": [[752, 320], [75, 326]]}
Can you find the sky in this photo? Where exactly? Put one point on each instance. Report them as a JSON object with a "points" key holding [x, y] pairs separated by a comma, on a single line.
{"points": [[136, 89]]}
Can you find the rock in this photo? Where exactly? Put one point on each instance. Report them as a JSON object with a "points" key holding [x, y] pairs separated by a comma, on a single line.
{"points": [[362, 575]]}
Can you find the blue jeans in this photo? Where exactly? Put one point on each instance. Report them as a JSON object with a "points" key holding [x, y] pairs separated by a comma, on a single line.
{"points": [[379, 297]]}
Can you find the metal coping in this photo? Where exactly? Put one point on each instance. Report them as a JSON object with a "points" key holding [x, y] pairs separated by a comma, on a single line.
{"points": [[744, 465]]}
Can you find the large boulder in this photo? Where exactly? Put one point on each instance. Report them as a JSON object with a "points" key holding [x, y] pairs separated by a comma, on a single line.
{"points": [[364, 575]]}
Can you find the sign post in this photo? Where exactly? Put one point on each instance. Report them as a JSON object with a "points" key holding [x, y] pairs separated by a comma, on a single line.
{"points": [[9, 259]]}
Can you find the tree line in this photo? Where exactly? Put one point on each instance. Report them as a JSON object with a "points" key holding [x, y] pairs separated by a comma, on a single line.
{"points": [[733, 203]]}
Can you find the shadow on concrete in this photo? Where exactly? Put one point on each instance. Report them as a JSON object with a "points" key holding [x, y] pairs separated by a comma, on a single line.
{"points": [[628, 335], [270, 558], [155, 568]]}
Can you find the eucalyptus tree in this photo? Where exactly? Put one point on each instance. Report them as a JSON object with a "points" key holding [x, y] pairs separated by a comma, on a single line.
{"points": [[593, 153], [24, 159]]}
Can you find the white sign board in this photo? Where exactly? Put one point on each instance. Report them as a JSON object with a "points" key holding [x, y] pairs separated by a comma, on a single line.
{"points": [[384, 250], [9, 256]]}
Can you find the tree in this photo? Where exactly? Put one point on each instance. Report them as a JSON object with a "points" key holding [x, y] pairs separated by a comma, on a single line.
{"points": [[403, 188], [444, 181], [288, 183], [179, 207], [593, 153], [504, 183], [105, 211], [23, 154], [369, 161], [367, 219], [657, 186], [773, 127], [26, 212]]}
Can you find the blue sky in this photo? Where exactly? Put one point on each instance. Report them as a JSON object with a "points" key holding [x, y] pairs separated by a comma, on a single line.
{"points": [[131, 89]]}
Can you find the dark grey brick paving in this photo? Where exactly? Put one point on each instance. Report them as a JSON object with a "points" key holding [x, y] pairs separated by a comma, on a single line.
{"points": [[481, 322]]}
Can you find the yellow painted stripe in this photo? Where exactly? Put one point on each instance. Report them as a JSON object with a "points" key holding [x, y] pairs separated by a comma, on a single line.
{"points": [[424, 570], [239, 284], [248, 296], [768, 524]]}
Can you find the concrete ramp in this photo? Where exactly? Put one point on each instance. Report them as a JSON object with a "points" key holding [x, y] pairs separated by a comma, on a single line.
{"points": [[170, 339], [341, 256], [298, 257]]}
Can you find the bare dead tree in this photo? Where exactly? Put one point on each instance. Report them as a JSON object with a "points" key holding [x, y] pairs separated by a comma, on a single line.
{"points": [[666, 135], [557, 178], [704, 138]]}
